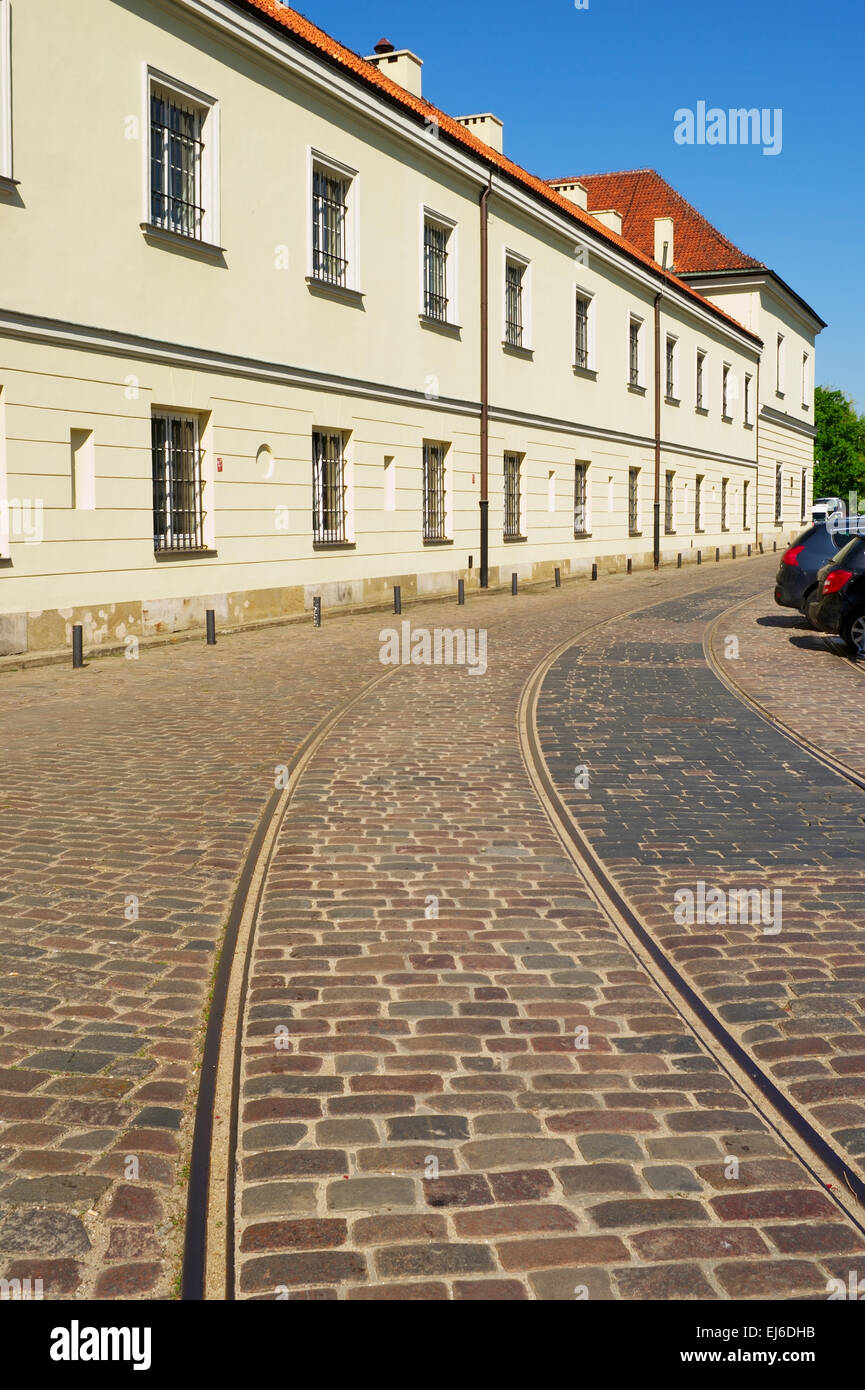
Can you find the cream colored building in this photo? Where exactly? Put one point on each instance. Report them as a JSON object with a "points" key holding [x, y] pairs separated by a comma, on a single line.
{"points": [[241, 344]]}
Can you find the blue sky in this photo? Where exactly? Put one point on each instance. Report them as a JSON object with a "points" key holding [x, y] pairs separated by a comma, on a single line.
{"points": [[590, 90]]}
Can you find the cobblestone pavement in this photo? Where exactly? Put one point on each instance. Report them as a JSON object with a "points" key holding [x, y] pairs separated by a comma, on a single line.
{"points": [[689, 786], [130, 794]]}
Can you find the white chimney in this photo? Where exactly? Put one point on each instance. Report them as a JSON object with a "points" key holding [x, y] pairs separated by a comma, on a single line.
{"points": [[575, 193], [401, 66], [610, 219], [664, 242], [487, 128]]}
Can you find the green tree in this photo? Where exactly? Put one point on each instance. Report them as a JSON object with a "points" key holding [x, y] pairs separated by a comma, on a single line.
{"points": [[839, 449]]}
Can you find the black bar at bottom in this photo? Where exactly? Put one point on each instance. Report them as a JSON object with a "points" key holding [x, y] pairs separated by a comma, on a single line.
{"points": [[210, 618], [77, 646], [594, 569], [316, 612], [558, 574], [461, 591], [397, 599]]}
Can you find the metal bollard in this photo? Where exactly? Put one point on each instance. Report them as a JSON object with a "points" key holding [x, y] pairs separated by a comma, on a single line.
{"points": [[558, 576], [77, 646], [210, 621], [717, 552], [774, 546], [749, 552], [594, 570], [316, 612], [734, 552], [513, 583], [397, 599], [679, 560], [699, 557], [630, 565], [461, 591]]}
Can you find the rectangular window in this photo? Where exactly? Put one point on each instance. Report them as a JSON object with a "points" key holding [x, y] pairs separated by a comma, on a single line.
{"points": [[778, 485], [724, 487], [701, 361], [328, 487], [582, 357], [581, 499], [182, 162], [634, 501], [434, 492], [389, 484], [804, 509], [436, 237], [178, 488], [634, 353], [749, 380], [669, 518], [698, 503], [806, 381], [512, 496], [746, 486], [670, 372], [329, 225], [779, 366], [5, 90], [725, 391], [83, 452], [515, 272]]}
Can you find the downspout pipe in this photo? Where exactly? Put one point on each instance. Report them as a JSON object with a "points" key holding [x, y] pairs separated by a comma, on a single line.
{"points": [[656, 547], [485, 387]]}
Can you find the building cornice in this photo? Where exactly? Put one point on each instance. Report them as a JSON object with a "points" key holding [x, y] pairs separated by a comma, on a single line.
{"points": [[780, 417]]}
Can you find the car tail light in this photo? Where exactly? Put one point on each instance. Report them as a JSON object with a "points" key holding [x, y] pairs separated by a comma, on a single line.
{"points": [[835, 580], [791, 556]]}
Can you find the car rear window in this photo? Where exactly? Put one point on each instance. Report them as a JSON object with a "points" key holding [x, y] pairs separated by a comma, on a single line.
{"points": [[852, 549]]}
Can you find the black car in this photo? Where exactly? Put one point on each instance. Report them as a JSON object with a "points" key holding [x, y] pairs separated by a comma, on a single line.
{"points": [[841, 607], [796, 581]]}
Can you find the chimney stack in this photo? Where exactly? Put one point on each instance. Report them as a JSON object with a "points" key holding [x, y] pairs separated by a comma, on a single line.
{"points": [[487, 128], [400, 65], [610, 218], [575, 192], [664, 242]]}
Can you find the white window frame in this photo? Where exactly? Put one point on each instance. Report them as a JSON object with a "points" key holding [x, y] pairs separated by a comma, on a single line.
{"points": [[318, 159], [580, 292], [526, 299], [446, 224], [4, 481], [749, 386], [5, 89], [209, 107], [700, 377], [806, 378], [586, 465], [520, 533], [671, 338], [641, 375], [779, 364], [726, 399], [638, 501], [671, 473]]}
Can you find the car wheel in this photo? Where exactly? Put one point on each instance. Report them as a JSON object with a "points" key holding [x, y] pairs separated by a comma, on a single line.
{"points": [[853, 633], [812, 603]]}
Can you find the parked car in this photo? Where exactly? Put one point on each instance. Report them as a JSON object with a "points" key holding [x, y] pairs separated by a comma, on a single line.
{"points": [[796, 581], [828, 509], [841, 606]]}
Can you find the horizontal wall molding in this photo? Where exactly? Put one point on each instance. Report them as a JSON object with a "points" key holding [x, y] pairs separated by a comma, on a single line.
{"points": [[788, 422]]}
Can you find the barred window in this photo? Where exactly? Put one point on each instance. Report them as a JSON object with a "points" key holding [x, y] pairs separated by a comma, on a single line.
{"points": [[512, 496], [634, 501], [329, 213], [328, 487], [724, 485], [804, 495], [671, 368], [748, 384], [725, 390], [698, 503], [668, 503], [435, 270], [178, 514], [778, 502], [434, 492], [581, 513], [582, 346], [701, 358], [634, 352], [745, 487], [176, 164], [514, 277]]}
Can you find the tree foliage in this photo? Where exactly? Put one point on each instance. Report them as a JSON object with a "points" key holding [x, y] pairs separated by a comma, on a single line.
{"points": [[839, 449]]}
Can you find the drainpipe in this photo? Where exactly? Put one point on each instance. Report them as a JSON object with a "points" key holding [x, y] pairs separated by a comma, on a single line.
{"points": [[656, 550], [485, 386]]}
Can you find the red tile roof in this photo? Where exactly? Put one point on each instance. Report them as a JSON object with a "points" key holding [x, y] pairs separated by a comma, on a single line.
{"points": [[641, 195], [308, 34]]}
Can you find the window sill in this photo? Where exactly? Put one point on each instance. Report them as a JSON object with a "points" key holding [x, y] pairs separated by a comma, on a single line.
{"points": [[672, 400], [701, 410], [670, 533], [205, 552], [780, 395], [526, 353], [636, 388], [450, 330], [587, 373], [441, 540], [514, 540], [175, 241], [582, 535], [699, 530], [747, 425], [724, 530], [334, 545], [635, 535], [726, 419], [342, 293], [8, 184]]}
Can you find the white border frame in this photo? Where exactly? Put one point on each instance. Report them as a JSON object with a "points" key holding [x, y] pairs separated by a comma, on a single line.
{"points": [[449, 225], [641, 351], [583, 292], [674, 339], [352, 216], [210, 181], [517, 258]]}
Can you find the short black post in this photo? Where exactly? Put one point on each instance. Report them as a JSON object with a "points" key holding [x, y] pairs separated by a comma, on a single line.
{"points": [[774, 546], [679, 560], [77, 646], [594, 569], [734, 552], [397, 599], [717, 552], [749, 552], [513, 583], [316, 612], [699, 557], [630, 565], [210, 620], [760, 543], [558, 575], [461, 591]]}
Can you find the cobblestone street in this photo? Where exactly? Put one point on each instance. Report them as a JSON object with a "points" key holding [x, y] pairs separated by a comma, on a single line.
{"points": [[457, 1079]]}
